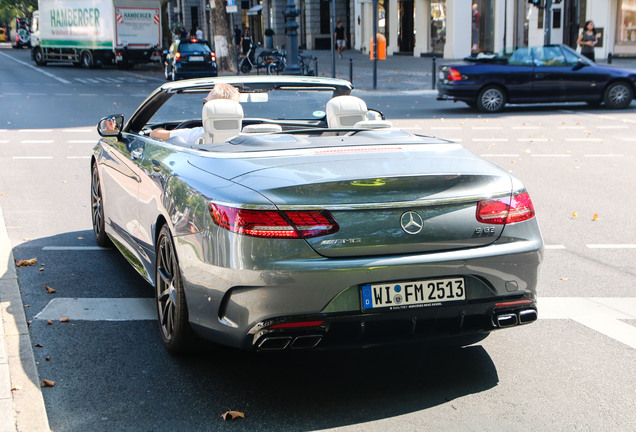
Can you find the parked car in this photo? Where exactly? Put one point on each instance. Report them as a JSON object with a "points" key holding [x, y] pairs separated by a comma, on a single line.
{"points": [[189, 58], [304, 220], [3, 34], [550, 73]]}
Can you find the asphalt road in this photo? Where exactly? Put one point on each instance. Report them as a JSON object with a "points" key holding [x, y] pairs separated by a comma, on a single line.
{"points": [[571, 370]]}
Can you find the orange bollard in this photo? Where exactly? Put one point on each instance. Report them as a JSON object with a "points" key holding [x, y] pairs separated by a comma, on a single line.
{"points": [[381, 47]]}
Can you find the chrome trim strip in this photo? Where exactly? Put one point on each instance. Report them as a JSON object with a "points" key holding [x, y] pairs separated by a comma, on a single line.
{"points": [[370, 206]]}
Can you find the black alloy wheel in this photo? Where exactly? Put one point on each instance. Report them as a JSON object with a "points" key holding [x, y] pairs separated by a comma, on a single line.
{"points": [[172, 310], [618, 95], [97, 209], [491, 99], [245, 66]]}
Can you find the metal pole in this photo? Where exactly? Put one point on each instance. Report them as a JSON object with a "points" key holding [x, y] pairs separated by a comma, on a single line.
{"points": [[548, 22], [609, 58], [350, 70], [375, 44], [315, 66], [291, 27], [333, 31], [434, 73]]}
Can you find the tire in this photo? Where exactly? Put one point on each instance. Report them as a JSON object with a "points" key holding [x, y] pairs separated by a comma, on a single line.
{"points": [[245, 67], [618, 95], [491, 99], [272, 68], [86, 58], [172, 310], [97, 209], [38, 56]]}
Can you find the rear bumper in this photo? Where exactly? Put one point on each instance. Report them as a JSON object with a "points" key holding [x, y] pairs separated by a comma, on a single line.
{"points": [[237, 306], [186, 73]]}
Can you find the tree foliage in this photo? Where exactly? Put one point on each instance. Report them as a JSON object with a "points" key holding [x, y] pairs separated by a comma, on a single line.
{"points": [[10, 9]]}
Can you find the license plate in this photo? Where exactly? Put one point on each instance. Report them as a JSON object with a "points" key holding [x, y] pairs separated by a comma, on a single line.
{"points": [[405, 295], [196, 58]]}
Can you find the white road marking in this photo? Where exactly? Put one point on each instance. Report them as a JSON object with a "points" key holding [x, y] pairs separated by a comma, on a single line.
{"points": [[526, 127], [532, 139], [629, 121], [500, 155], [35, 130], [602, 155], [611, 246], [4, 141], [81, 141], [87, 94], [99, 309], [570, 127], [584, 139], [73, 248], [78, 157], [550, 155], [601, 314], [612, 127], [490, 139], [36, 141], [445, 128], [62, 94], [48, 74], [629, 139], [487, 127], [113, 94], [31, 157], [554, 247], [36, 94], [78, 130]]}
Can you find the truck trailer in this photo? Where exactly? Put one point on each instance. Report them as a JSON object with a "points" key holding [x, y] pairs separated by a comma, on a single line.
{"points": [[96, 32]]}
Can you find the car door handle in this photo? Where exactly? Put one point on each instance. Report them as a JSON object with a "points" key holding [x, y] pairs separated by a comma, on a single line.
{"points": [[539, 76]]}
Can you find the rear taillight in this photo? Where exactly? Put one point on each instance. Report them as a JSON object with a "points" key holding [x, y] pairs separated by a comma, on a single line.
{"points": [[212, 57], [453, 75], [501, 211], [177, 56], [274, 223]]}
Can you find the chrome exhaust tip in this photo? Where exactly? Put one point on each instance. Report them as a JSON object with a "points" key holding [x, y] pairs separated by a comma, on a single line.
{"points": [[506, 320], [274, 343], [306, 342], [527, 316]]}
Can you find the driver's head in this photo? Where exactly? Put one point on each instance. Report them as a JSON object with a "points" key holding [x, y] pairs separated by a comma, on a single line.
{"points": [[223, 91]]}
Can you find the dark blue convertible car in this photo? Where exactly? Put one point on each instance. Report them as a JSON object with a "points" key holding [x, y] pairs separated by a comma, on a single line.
{"points": [[550, 73]]}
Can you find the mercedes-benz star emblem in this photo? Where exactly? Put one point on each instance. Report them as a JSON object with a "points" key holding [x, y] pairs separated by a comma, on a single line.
{"points": [[411, 222]]}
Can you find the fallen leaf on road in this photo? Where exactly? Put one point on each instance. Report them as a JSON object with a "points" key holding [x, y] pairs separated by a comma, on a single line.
{"points": [[575, 214], [41, 269], [64, 319], [16, 388], [49, 322], [564, 278], [47, 358], [49, 289], [594, 217], [47, 383], [26, 262], [232, 415], [38, 345]]}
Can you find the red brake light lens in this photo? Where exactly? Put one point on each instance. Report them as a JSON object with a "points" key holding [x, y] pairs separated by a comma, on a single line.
{"points": [[177, 56], [454, 75], [501, 211], [274, 223], [213, 56], [298, 324]]}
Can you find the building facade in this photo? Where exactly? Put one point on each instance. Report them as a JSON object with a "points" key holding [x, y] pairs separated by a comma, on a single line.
{"points": [[448, 28]]}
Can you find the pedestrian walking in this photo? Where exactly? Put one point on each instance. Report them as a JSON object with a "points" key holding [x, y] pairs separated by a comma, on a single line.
{"points": [[237, 37], [341, 38], [588, 39], [246, 41], [199, 33]]}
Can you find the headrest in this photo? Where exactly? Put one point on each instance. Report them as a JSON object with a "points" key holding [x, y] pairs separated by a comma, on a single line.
{"points": [[262, 128], [345, 111], [222, 119]]}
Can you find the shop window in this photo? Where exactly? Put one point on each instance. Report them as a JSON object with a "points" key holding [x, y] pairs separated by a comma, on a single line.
{"points": [[627, 22]]}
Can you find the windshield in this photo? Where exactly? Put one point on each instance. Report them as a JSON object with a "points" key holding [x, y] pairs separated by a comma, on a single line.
{"points": [[187, 48], [279, 104]]}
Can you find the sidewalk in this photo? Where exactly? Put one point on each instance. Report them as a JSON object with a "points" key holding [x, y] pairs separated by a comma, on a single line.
{"points": [[21, 403]]}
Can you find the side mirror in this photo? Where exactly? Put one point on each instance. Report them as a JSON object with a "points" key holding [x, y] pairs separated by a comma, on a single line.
{"points": [[165, 52], [111, 126], [579, 64]]}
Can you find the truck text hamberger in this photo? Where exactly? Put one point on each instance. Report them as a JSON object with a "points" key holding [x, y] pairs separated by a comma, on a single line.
{"points": [[96, 32]]}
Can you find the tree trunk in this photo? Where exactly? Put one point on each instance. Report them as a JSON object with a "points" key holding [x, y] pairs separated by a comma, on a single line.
{"points": [[223, 38]]}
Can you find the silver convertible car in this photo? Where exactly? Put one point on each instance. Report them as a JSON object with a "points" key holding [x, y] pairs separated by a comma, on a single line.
{"points": [[300, 219]]}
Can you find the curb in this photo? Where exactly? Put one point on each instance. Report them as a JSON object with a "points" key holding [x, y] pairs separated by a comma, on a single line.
{"points": [[21, 402]]}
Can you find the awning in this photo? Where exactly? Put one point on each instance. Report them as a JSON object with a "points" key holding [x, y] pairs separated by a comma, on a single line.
{"points": [[255, 10]]}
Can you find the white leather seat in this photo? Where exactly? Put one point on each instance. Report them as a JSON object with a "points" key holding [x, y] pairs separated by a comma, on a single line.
{"points": [[222, 119], [262, 128], [373, 124], [345, 112]]}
